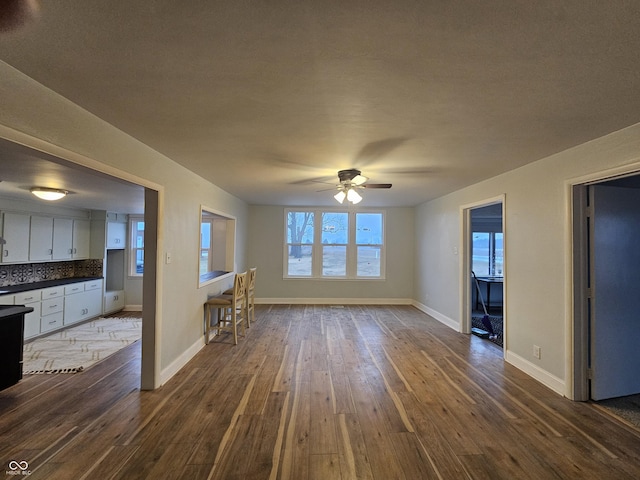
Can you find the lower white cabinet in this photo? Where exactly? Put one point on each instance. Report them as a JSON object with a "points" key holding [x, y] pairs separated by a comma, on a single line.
{"points": [[83, 304], [55, 307], [113, 301]]}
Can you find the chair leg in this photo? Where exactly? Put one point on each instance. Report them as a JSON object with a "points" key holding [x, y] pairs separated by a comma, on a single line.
{"points": [[234, 324]]}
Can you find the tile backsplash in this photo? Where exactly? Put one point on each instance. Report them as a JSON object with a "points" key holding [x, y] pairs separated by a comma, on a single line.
{"points": [[19, 274]]}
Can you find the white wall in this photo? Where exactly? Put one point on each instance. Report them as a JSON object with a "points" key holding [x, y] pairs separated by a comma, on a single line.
{"points": [[537, 249], [266, 241], [56, 125]]}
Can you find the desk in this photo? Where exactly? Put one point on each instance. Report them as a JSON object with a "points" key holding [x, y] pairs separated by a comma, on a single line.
{"points": [[488, 281]]}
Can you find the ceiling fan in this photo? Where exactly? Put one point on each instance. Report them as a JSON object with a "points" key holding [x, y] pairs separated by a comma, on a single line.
{"points": [[351, 180]]}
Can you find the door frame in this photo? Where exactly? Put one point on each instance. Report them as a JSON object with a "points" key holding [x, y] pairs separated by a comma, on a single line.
{"points": [[577, 319], [154, 208], [465, 264]]}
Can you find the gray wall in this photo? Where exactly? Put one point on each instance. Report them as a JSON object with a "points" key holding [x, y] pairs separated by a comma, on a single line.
{"points": [[37, 117], [537, 250]]}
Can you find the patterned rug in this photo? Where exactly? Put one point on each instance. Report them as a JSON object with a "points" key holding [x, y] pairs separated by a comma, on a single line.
{"points": [[78, 348]]}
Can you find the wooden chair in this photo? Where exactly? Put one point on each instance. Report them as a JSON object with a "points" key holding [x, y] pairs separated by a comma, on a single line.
{"points": [[250, 296], [232, 309]]}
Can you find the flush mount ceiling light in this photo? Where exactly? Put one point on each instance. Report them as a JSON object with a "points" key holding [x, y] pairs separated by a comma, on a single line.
{"points": [[48, 193]]}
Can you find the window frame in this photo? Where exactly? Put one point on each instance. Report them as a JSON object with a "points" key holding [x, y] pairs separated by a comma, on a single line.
{"points": [[492, 265], [229, 247], [133, 249], [317, 247]]}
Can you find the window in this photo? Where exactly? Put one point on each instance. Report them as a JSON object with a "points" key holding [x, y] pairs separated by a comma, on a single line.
{"points": [[487, 254], [334, 245], [136, 257], [216, 247]]}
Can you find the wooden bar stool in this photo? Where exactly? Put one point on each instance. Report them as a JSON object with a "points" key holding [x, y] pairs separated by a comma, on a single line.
{"points": [[250, 297], [231, 309]]}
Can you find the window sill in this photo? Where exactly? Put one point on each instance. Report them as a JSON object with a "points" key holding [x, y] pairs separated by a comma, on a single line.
{"points": [[212, 277]]}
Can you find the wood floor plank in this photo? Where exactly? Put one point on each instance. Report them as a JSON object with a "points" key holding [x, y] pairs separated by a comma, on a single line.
{"points": [[315, 391]]}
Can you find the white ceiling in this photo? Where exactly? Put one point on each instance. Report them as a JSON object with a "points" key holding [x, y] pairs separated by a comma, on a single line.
{"points": [[268, 98]]}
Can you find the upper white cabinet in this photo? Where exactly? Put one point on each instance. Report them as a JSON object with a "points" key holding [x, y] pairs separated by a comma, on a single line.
{"points": [[41, 239], [15, 236], [62, 238], [116, 235], [81, 238]]}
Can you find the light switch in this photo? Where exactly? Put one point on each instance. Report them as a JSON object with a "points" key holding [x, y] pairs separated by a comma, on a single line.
{"points": [[167, 257]]}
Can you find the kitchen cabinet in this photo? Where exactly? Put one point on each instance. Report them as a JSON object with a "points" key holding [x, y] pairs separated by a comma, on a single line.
{"points": [[84, 304], [15, 232], [81, 239], [113, 301], [31, 319], [116, 235], [41, 239], [62, 238]]}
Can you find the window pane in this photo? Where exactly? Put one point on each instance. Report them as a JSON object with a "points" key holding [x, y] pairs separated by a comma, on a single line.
{"points": [[499, 258], [205, 235], [335, 228], [139, 234], [300, 227], [140, 261], [369, 229], [334, 261], [368, 262], [300, 260], [480, 246]]}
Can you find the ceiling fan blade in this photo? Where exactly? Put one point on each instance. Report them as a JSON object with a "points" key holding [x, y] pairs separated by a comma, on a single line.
{"points": [[376, 185]]}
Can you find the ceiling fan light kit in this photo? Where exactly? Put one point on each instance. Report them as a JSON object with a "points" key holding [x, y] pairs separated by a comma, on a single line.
{"points": [[50, 194], [350, 180]]}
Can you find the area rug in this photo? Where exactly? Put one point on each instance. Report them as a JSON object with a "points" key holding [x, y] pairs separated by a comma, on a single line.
{"points": [[626, 407], [77, 348]]}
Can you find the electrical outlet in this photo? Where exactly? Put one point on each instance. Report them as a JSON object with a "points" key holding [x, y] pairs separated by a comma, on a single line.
{"points": [[536, 351], [168, 258]]}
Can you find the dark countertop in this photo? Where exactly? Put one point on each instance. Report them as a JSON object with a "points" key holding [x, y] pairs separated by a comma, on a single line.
{"points": [[9, 310], [25, 287]]}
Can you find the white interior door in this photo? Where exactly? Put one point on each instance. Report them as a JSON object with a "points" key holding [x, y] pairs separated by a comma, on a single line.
{"points": [[615, 275]]}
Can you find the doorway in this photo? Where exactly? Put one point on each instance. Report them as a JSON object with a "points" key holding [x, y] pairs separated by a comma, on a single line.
{"points": [[606, 226], [483, 270]]}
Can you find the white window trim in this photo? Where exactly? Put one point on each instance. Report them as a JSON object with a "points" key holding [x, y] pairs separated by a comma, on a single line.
{"points": [[352, 246], [132, 246]]}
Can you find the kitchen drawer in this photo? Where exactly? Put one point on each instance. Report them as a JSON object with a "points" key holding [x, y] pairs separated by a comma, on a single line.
{"points": [[30, 296], [8, 300], [51, 322], [53, 305], [74, 288], [93, 285], [52, 292]]}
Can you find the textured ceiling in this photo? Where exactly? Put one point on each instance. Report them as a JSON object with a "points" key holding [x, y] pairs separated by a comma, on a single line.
{"points": [[268, 98]]}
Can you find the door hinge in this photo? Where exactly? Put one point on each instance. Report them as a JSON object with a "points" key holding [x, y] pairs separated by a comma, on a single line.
{"points": [[588, 211]]}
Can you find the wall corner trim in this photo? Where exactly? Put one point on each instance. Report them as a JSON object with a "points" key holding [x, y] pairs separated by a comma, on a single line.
{"points": [[449, 322], [547, 379]]}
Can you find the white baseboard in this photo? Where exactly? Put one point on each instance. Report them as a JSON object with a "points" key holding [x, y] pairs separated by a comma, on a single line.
{"points": [[334, 301], [449, 322], [181, 361], [554, 383]]}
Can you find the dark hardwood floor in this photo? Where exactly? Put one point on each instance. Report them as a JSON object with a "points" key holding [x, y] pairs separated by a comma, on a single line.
{"points": [[315, 392]]}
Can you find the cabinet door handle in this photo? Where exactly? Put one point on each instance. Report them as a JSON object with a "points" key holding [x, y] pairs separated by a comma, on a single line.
{"points": [[53, 306], [6, 253], [70, 251]]}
